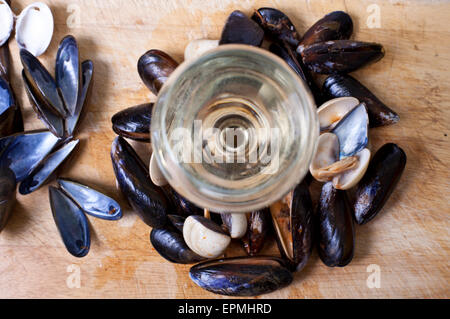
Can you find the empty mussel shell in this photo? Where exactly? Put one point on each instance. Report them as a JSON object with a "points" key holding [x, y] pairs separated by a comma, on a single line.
{"points": [[385, 170], [196, 48], [259, 224], [340, 56], [336, 25], [340, 85], [147, 199], [71, 222], [277, 26], [293, 222], [134, 122], [177, 221], [7, 195], [236, 224], [352, 176], [68, 72], [335, 227], [22, 152], [241, 276], [332, 111], [155, 173], [205, 237], [169, 243], [34, 28], [47, 168], [7, 19], [92, 202], [154, 68], [240, 29]]}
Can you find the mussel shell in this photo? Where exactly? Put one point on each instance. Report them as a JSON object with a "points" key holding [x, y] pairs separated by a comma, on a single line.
{"points": [[276, 25], [134, 122], [47, 169], [169, 243], [5, 62], [336, 25], [68, 72], [42, 83], [7, 195], [383, 174], [24, 151], [147, 199], [177, 221], [258, 227], [240, 29], [340, 56], [71, 222], [340, 85], [241, 276], [180, 205], [92, 202], [154, 68], [7, 109], [335, 232]]}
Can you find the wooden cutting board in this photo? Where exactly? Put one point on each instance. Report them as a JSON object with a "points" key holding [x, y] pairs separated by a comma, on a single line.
{"points": [[408, 242]]}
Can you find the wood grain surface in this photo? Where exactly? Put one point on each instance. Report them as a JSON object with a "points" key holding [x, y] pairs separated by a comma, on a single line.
{"points": [[409, 240]]}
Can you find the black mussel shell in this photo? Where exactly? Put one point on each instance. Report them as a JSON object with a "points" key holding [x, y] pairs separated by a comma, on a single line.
{"points": [[293, 222], [335, 232], [47, 169], [241, 276], [54, 122], [383, 174], [340, 85], [24, 151], [180, 205], [340, 56], [147, 199], [134, 122], [68, 72], [87, 69], [240, 29], [258, 227], [5, 62], [169, 243], [7, 109], [92, 202], [336, 25], [7, 195], [42, 83], [177, 221], [277, 26], [154, 68], [71, 222]]}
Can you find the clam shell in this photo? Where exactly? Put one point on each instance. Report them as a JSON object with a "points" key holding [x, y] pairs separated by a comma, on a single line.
{"points": [[7, 19], [155, 173], [332, 111], [327, 153], [351, 177], [196, 48], [235, 223]]}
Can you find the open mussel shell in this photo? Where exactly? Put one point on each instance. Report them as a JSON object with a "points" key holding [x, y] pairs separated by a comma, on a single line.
{"points": [[169, 243], [47, 168], [277, 26], [68, 72], [240, 29], [335, 231], [91, 201], [340, 56], [375, 188], [198, 47], [147, 199], [259, 224], [236, 224], [340, 85], [7, 19], [154, 68], [7, 195], [42, 83], [179, 204], [87, 69], [134, 122], [54, 122], [71, 222], [293, 222], [22, 152], [336, 25], [332, 111], [241, 276], [34, 28]]}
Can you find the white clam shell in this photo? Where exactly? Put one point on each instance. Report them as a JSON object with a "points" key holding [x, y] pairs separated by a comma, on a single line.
{"points": [[196, 48], [327, 153], [237, 225], [332, 111], [202, 240], [6, 22], [34, 28], [350, 178], [156, 175]]}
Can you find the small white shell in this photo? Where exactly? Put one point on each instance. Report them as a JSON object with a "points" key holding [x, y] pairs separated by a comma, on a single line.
{"points": [[197, 47], [34, 29], [156, 175], [327, 153], [236, 224], [7, 22], [332, 111], [350, 178]]}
